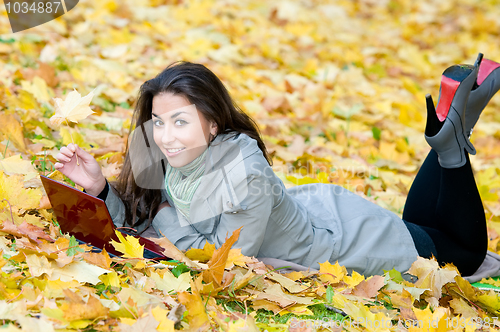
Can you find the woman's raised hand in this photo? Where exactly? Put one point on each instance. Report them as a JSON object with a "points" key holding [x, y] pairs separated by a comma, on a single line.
{"points": [[88, 174]]}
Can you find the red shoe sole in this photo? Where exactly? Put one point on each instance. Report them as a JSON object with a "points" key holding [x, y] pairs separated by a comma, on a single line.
{"points": [[485, 69], [448, 88]]}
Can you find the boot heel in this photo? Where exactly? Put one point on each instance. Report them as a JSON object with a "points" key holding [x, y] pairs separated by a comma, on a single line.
{"points": [[433, 125], [450, 142]]}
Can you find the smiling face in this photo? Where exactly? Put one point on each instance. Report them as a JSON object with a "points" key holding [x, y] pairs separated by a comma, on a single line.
{"points": [[177, 124]]}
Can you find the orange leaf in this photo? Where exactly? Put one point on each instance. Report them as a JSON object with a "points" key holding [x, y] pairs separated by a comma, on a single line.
{"points": [[100, 259], [197, 316], [25, 229], [45, 203], [217, 263]]}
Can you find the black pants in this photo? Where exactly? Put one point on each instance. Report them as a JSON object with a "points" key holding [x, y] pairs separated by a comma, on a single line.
{"points": [[445, 215]]}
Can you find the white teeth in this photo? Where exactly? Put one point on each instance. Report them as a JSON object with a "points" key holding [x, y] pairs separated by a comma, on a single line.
{"points": [[174, 150]]}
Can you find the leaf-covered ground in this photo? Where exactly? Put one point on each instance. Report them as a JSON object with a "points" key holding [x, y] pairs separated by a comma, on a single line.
{"points": [[338, 91]]}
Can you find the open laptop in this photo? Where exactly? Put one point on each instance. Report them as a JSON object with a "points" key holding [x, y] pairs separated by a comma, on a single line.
{"points": [[87, 218]]}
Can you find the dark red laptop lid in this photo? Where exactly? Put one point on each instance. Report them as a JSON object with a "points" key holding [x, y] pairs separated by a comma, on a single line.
{"points": [[86, 217]]}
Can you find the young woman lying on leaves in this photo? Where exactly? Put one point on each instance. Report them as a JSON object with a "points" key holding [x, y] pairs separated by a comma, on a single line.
{"points": [[196, 169]]}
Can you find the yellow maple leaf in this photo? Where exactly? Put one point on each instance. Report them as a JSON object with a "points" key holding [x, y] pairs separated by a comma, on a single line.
{"points": [[360, 315], [170, 283], [235, 322], [276, 294], [16, 165], [201, 255], [24, 100], [110, 279], [428, 320], [38, 88], [11, 188], [333, 273], [54, 288], [297, 309], [491, 301], [70, 135], [487, 184], [165, 324], [287, 283], [75, 308], [12, 131], [197, 316], [460, 306], [38, 265], [295, 275], [431, 276], [129, 247], [235, 257], [354, 280], [74, 108]]}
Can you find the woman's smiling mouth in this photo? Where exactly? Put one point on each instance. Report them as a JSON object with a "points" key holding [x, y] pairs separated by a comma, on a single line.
{"points": [[172, 152]]}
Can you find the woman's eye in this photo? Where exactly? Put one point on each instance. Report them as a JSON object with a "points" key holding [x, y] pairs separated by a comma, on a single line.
{"points": [[157, 123], [180, 121]]}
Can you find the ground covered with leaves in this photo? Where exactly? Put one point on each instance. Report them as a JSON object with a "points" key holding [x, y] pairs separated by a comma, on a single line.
{"points": [[337, 88]]}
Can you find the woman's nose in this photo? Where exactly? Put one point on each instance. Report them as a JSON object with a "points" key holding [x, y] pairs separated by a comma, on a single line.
{"points": [[167, 136]]}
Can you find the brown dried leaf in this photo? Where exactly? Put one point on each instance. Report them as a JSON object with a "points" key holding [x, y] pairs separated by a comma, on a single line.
{"points": [[369, 287]]}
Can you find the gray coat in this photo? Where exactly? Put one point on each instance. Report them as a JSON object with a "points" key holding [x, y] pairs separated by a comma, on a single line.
{"points": [[306, 224]]}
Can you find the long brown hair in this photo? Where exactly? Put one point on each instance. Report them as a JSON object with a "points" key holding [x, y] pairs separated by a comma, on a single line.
{"points": [[202, 88]]}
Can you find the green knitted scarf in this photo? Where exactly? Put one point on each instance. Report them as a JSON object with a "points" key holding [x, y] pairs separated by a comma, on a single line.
{"points": [[182, 182]]}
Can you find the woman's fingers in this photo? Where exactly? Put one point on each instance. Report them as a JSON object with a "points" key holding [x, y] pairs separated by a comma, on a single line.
{"points": [[66, 152], [88, 160], [82, 153], [61, 157], [64, 157]]}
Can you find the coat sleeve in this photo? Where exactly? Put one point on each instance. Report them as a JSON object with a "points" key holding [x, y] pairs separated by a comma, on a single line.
{"points": [[252, 213], [166, 223], [116, 209]]}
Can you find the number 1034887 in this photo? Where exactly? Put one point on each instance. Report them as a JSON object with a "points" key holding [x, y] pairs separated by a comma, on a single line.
{"points": [[40, 7], [460, 322]]}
